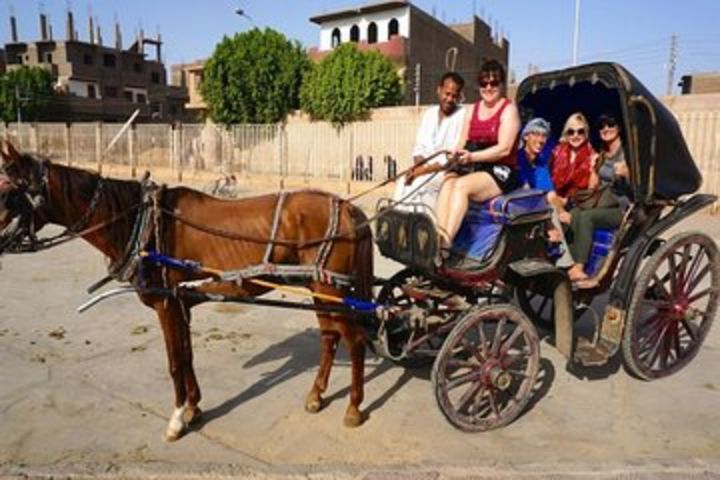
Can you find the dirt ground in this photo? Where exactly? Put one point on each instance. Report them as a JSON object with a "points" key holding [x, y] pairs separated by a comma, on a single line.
{"points": [[85, 395]]}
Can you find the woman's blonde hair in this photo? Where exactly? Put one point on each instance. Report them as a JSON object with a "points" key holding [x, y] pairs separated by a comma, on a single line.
{"points": [[576, 117]]}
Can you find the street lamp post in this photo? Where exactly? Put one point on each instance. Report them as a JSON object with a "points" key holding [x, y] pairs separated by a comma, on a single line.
{"points": [[576, 34]]}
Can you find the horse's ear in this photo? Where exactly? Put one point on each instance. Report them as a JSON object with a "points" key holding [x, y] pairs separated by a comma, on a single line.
{"points": [[8, 152]]}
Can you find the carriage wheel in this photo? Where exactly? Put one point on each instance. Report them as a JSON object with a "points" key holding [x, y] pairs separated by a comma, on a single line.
{"points": [[400, 334], [672, 306], [486, 370], [538, 307]]}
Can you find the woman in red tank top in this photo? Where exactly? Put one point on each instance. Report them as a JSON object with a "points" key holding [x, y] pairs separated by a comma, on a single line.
{"points": [[486, 153]]}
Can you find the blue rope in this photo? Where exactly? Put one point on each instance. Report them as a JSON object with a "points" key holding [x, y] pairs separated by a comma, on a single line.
{"points": [[193, 266], [164, 260]]}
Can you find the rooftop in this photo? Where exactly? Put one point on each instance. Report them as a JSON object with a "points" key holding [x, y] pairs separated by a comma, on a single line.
{"points": [[354, 11]]}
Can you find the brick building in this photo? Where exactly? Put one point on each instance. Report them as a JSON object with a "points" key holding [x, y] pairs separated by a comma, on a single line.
{"points": [[97, 82], [421, 46]]}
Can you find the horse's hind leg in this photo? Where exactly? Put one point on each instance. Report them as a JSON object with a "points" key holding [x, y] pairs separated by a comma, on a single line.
{"points": [[328, 346], [176, 332], [354, 340]]}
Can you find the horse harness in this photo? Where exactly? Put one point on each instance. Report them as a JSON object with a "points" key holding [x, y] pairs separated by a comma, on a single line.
{"points": [[290, 273], [19, 236]]}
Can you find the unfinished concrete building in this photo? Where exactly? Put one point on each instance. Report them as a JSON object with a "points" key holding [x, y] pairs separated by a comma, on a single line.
{"points": [[95, 82]]}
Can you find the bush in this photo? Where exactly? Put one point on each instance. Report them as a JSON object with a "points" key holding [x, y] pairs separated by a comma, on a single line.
{"points": [[254, 77], [31, 88], [346, 84]]}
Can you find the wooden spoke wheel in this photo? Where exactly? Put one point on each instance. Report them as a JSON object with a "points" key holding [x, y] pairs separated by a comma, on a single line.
{"points": [[537, 306], [672, 307], [486, 371], [409, 345]]}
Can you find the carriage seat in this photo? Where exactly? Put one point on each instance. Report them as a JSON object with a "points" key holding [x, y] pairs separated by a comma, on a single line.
{"points": [[410, 237], [484, 221]]}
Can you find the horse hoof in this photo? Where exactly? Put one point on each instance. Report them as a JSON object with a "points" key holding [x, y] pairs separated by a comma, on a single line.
{"points": [[192, 415], [313, 405], [353, 419], [172, 435]]}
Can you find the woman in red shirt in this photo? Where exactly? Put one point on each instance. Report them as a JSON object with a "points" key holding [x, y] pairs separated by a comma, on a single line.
{"points": [[486, 153], [571, 165]]}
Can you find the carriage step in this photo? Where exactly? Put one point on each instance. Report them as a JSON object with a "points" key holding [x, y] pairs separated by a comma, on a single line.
{"points": [[593, 355]]}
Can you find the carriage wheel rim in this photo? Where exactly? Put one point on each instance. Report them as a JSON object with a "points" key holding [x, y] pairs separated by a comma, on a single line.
{"points": [[498, 375], [666, 340]]}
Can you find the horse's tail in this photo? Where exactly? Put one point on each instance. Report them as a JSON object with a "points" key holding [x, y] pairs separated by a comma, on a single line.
{"points": [[363, 261]]}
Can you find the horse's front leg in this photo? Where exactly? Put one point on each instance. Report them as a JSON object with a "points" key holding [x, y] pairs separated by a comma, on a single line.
{"points": [[175, 322], [328, 346]]}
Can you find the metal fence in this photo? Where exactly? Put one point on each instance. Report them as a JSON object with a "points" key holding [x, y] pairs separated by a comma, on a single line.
{"points": [[311, 151]]}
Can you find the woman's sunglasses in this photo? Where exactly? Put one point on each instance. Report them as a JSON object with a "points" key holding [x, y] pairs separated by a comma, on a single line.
{"points": [[488, 83], [608, 125], [571, 131]]}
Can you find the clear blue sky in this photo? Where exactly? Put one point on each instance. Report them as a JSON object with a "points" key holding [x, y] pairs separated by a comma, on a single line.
{"points": [[635, 33]]}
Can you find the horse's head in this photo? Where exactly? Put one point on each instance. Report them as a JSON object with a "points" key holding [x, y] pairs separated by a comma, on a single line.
{"points": [[23, 193]]}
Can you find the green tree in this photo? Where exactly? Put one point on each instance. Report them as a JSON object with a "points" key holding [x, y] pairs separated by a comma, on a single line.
{"points": [[346, 84], [254, 77], [30, 88]]}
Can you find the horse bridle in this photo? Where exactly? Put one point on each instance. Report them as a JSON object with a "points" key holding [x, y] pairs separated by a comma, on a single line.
{"points": [[24, 203]]}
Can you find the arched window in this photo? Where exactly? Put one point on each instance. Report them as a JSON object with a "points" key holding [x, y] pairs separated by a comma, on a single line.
{"points": [[335, 39], [372, 36], [354, 33], [393, 28]]}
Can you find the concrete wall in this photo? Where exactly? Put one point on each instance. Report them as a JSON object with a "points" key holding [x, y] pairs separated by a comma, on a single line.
{"points": [[301, 152]]}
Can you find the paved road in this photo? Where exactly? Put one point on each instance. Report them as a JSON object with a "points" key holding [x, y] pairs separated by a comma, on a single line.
{"points": [[89, 394]]}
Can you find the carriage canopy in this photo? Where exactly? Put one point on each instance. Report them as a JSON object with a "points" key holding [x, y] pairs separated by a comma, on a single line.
{"points": [[660, 162]]}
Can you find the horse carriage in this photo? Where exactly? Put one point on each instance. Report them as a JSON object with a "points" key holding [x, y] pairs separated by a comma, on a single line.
{"points": [[662, 293], [477, 324]]}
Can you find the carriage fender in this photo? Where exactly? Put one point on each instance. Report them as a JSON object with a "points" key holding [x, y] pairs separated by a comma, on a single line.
{"points": [[622, 287], [558, 285]]}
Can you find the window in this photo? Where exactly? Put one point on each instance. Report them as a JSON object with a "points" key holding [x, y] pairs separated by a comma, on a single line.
{"points": [[128, 95], [88, 59], [91, 91], [141, 98], [372, 36], [19, 59], [111, 92], [354, 33], [48, 57], [137, 67], [393, 28], [109, 60], [155, 77], [336, 38]]}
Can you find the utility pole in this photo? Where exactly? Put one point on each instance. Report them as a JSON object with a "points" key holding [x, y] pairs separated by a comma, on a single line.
{"points": [[19, 100], [672, 63], [576, 34]]}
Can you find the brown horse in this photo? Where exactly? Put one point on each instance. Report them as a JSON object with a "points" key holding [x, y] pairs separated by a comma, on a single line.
{"points": [[222, 234]]}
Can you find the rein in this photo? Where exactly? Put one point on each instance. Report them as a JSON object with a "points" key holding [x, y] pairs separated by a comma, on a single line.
{"points": [[392, 179], [316, 241], [71, 233]]}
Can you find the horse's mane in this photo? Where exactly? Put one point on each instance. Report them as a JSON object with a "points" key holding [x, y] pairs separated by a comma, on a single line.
{"points": [[116, 198]]}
